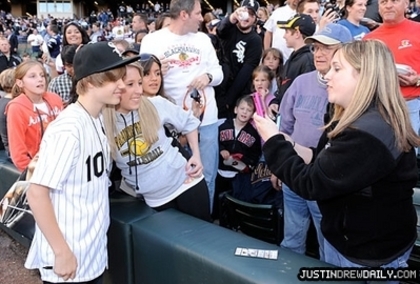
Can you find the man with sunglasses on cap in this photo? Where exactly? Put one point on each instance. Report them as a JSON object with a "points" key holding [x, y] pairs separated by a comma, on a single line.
{"points": [[189, 63], [302, 117], [242, 49], [68, 192]]}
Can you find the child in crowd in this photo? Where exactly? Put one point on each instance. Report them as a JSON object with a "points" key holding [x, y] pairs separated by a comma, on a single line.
{"points": [[7, 80], [25, 56], [262, 80], [240, 149], [68, 194], [262, 191], [30, 112], [273, 59]]}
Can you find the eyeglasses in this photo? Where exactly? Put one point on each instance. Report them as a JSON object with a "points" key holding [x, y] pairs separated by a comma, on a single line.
{"points": [[145, 57], [324, 49]]}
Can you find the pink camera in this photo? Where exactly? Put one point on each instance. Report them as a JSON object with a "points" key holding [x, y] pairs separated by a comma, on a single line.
{"points": [[259, 104]]}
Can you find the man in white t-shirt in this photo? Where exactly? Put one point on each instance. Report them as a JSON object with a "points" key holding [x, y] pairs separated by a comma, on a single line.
{"points": [[274, 36], [189, 62], [36, 40]]}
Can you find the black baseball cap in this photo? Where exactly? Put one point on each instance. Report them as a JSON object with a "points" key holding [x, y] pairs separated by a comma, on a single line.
{"points": [[98, 57], [302, 22], [251, 4]]}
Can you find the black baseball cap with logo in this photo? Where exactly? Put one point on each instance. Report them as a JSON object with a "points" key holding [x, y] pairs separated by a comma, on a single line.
{"points": [[251, 4], [301, 22], [98, 57]]}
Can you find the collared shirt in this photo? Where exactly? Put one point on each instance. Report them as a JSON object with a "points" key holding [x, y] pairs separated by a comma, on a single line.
{"points": [[61, 85]]}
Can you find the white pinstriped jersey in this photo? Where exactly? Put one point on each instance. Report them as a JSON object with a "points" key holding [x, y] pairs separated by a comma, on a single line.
{"points": [[72, 165]]}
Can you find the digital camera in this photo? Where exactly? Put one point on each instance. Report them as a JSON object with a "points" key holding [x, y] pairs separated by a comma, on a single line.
{"points": [[195, 95], [332, 4]]}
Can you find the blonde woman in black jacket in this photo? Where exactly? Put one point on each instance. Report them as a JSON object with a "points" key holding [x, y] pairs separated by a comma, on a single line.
{"points": [[363, 172]]}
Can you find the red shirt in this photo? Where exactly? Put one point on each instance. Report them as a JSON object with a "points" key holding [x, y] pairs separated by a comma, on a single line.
{"points": [[403, 39]]}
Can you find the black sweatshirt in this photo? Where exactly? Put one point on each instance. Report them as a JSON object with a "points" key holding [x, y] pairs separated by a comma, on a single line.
{"points": [[363, 185], [241, 55], [300, 61], [247, 143]]}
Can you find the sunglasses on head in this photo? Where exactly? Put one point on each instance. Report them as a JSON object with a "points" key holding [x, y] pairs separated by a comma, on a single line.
{"points": [[145, 57]]}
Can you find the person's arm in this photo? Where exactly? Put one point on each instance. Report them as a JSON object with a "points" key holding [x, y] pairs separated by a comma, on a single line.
{"points": [[65, 264], [409, 79], [339, 169], [268, 36], [267, 129], [212, 68], [194, 167], [225, 27], [17, 122], [328, 17]]}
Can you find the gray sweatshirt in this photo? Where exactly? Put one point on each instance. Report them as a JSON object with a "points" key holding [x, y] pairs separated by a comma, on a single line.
{"points": [[302, 109], [158, 170]]}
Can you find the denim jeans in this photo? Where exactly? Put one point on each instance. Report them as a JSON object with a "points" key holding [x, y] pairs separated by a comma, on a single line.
{"points": [[297, 212], [414, 112], [209, 151], [334, 257]]}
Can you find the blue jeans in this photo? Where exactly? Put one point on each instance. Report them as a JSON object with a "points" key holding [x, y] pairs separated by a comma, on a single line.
{"points": [[414, 113], [297, 212], [209, 151], [336, 258]]}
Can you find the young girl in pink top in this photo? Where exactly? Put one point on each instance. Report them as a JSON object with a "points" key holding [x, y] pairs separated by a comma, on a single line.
{"points": [[262, 80]]}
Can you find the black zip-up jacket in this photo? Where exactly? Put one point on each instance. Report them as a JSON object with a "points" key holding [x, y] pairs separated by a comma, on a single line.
{"points": [[363, 184], [247, 143], [300, 61], [9, 62]]}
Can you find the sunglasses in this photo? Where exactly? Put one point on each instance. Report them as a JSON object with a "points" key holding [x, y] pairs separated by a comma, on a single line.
{"points": [[146, 57]]}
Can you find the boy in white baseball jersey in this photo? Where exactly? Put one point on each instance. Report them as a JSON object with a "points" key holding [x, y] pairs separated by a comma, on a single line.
{"points": [[68, 194]]}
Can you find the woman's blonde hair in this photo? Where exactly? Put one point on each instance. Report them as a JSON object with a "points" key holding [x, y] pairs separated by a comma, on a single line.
{"points": [[21, 71], [149, 119], [7, 80], [378, 85]]}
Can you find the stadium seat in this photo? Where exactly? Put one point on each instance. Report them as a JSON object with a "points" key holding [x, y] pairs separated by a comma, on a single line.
{"points": [[260, 221]]}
